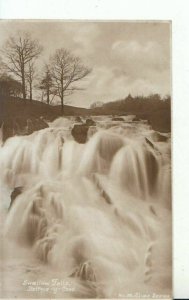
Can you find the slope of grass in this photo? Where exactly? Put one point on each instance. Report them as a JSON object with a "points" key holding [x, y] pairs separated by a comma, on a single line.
{"points": [[12, 109]]}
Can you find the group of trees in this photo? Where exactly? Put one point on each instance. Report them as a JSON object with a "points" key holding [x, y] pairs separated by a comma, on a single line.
{"points": [[19, 56], [154, 108], [139, 104], [19, 70], [20, 74]]}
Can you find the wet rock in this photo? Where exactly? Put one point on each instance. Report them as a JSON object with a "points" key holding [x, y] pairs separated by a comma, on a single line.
{"points": [[35, 124], [90, 122], [161, 137], [118, 119], [149, 142], [136, 119], [21, 126], [78, 119], [85, 272], [79, 132], [16, 192], [158, 137], [152, 145]]}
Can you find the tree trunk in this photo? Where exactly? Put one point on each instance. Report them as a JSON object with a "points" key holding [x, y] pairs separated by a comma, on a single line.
{"points": [[42, 97], [48, 96], [30, 91], [23, 88], [62, 95], [62, 103], [23, 83]]}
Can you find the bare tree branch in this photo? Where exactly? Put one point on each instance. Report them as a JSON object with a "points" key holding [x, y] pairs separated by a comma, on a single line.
{"points": [[18, 54], [66, 70]]}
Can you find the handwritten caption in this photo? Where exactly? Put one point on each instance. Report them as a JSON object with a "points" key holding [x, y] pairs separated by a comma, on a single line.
{"points": [[54, 286]]}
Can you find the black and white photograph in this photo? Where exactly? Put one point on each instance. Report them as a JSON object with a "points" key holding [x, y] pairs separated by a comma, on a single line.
{"points": [[85, 159]]}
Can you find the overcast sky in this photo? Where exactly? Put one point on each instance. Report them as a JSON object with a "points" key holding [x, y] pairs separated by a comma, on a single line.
{"points": [[126, 57]]}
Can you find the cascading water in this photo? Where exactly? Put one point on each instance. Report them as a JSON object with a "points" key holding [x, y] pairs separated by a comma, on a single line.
{"points": [[96, 216]]}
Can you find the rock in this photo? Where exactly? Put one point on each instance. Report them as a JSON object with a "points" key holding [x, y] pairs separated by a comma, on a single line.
{"points": [[6, 130], [152, 145], [158, 137], [21, 126], [136, 119], [78, 119], [16, 192], [90, 122], [149, 142], [37, 124], [161, 137], [79, 132], [118, 119]]}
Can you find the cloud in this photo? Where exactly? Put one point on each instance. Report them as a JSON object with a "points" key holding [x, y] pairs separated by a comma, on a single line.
{"points": [[126, 57], [82, 36], [138, 57]]}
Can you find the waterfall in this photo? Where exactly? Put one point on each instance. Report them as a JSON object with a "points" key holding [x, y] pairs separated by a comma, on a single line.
{"points": [[97, 214], [135, 168]]}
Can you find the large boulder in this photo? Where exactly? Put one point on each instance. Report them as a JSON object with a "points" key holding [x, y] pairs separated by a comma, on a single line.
{"points": [[79, 132]]}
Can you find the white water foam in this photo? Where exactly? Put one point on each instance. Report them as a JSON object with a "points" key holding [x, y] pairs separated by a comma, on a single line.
{"points": [[97, 214]]}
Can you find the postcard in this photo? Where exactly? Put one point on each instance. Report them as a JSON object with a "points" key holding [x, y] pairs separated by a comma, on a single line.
{"points": [[85, 155]]}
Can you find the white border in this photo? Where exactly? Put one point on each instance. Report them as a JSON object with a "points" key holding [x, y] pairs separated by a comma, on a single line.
{"points": [[177, 11]]}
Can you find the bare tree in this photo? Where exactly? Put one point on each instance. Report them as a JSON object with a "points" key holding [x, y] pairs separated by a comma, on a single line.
{"points": [[66, 70], [30, 73], [46, 84], [18, 52]]}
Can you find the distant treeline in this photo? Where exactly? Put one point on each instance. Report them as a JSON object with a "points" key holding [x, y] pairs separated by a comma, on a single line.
{"points": [[137, 104], [154, 108]]}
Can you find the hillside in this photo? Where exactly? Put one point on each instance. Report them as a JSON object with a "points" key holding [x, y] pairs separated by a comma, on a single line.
{"points": [[18, 108], [153, 108], [24, 117]]}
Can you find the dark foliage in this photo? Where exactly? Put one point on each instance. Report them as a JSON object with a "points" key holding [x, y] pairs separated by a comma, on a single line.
{"points": [[9, 86], [153, 108]]}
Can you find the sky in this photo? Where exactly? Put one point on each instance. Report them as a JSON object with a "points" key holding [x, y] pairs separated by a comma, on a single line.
{"points": [[125, 57]]}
